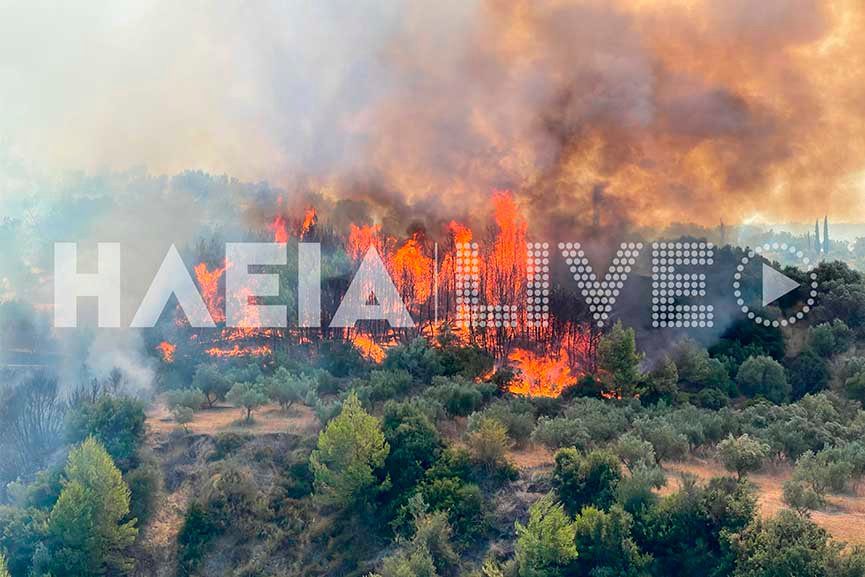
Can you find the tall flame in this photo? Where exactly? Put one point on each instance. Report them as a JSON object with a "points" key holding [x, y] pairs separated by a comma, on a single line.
{"points": [[208, 282], [278, 228], [413, 270], [309, 219], [360, 238]]}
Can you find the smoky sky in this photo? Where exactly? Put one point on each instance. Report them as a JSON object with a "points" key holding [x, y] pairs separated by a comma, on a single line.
{"points": [[682, 110]]}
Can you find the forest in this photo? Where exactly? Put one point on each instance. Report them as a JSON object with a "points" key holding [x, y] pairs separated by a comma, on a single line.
{"points": [[431, 458]]}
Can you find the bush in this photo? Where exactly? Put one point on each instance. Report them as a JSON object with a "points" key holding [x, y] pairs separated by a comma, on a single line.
{"points": [[116, 422], [463, 502], [459, 398], [545, 546], [855, 387], [743, 454], [190, 398], [605, 544], [668, 443], [763, 376], [145, 484], [414, 445], [712, 398], [517, 415], [248, 396], [586, 480], [635, 453], [211, 381], [488, 443], [822, 472], [561, 432], [801, 497], [196, 533], [286, 388], [417, 357], [385, 384]]}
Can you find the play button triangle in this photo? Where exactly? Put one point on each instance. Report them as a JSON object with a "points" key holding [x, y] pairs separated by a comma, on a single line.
{"points": [[776, 285]]}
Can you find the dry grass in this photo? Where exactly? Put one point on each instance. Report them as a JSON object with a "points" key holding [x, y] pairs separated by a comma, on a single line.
{"points": [[844, 518], [267, 420]]}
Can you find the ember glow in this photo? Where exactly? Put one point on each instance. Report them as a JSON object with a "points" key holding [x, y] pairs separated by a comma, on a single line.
{"points": [[239, 351], [167, 350]]}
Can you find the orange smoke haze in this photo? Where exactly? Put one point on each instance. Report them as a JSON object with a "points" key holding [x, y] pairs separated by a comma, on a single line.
{"points": [[651, 112]]}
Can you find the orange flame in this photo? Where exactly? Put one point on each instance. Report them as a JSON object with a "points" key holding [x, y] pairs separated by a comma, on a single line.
{"points": [[360, 238], [166, 349], [413, 270], [540, 375], [368, 348], [208, 282], [461, 233], [309, 219], [507, 263], [238, 351], [277, 227]]}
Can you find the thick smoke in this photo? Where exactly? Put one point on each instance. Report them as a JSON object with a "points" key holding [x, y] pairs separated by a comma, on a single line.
{"points": [[613, 113]]}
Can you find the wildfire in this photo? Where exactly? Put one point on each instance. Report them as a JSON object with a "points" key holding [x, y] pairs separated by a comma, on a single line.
{"points": [[368, 348], [238, 351], [360, 238], [278, 228], [461, 233], [309, 219], [208, 282], [508, 258], [540, 375], [166, 349], [413, 269]]}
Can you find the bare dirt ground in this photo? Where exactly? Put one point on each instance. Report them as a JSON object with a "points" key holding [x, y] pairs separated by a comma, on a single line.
{"points": [[844, 518]]}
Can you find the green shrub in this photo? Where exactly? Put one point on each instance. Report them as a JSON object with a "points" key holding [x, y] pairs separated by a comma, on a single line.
{"points": [[459, 398], [743, 454], [561, 432], [586, 480], [248, 396], [545, 545], [116, 422]]}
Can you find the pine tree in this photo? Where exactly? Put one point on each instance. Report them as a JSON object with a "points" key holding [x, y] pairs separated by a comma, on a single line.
{"points": [[350, 451], [88, 522]]}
